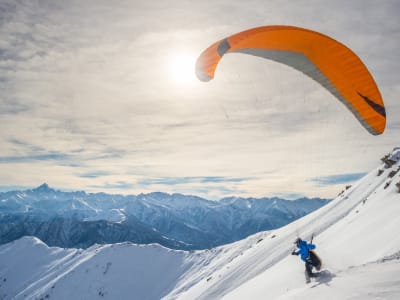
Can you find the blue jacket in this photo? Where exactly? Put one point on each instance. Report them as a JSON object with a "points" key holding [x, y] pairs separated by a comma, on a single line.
{"points": [[304, 248]]}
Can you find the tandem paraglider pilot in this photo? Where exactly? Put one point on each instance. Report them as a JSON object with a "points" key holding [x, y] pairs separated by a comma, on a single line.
{"points": [[311, 259]]}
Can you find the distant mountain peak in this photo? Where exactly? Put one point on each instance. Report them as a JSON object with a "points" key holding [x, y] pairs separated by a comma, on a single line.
{"points": [[43, 188]]}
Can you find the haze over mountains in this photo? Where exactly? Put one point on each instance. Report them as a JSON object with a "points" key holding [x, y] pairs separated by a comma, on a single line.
{"points": [[79, 219]]}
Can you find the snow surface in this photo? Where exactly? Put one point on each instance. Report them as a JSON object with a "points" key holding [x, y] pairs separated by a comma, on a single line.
{"points": [[357, 237]]}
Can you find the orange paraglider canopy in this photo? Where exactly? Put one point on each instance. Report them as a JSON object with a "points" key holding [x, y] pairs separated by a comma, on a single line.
{"points": [[327, 61]]}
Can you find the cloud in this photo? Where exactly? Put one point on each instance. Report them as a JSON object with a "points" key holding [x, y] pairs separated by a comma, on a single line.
{"points": [[187, 180], [114, 186], [95, 174], [32, 158], [290, 196], [338, 179], [86, 97], [12, 107]]}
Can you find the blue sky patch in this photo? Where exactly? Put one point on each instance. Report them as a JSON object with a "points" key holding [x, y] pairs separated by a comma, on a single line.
{"points": [[338, 179]]}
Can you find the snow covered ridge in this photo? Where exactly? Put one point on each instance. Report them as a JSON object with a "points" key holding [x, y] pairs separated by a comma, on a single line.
{"points": [[79, 220], [32, 270], [356, 236]]}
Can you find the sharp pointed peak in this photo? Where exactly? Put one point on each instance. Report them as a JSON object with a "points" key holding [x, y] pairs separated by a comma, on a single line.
{"points": [[43, 188]]}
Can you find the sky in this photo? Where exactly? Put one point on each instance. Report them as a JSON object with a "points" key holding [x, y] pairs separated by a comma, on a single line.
{"points": [[102, 96]]}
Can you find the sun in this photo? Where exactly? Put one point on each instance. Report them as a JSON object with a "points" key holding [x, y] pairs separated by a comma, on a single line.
{"points": [[181, 68]]}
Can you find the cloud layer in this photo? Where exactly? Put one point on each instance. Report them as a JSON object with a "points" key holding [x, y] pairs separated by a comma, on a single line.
{"points": [[88, 101]]}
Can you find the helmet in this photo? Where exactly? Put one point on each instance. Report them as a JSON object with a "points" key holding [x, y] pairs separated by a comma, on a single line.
{"points": [[297, 241]]}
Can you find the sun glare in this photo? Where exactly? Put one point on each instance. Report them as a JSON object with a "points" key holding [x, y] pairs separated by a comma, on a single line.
{"points": [[181, 68]]}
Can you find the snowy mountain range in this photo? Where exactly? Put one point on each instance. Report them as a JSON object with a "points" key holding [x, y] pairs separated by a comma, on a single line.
{"points": [[357, 237], [80, 220]]}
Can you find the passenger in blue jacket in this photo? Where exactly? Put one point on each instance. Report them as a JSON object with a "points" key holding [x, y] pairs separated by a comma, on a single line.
{"points": [[309, 257]]}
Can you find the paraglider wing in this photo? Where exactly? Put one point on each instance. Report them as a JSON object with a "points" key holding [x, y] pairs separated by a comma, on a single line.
{"points": [[330, 63]]}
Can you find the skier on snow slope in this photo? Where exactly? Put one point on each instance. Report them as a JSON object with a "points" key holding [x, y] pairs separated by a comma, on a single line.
{"points": [[308, 256]]}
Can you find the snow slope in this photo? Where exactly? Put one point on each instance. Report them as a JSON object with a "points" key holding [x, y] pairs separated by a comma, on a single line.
{"points": [[356, 236], [31, 270], [359, 227]]}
